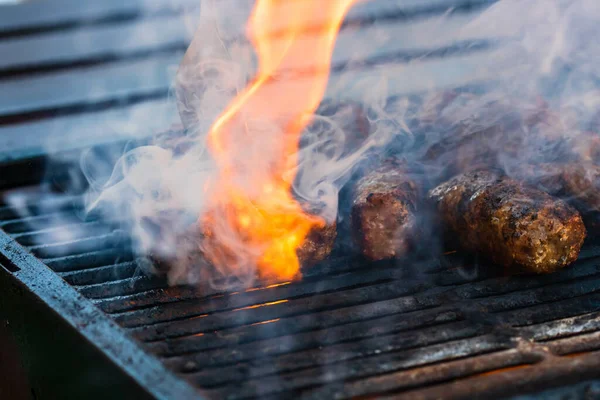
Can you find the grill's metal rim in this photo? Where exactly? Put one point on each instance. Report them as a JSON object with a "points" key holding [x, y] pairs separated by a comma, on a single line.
{"points": [[104, 333]]}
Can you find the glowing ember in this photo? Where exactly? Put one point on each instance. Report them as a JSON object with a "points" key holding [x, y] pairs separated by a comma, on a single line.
{"points": [[255, 141]]}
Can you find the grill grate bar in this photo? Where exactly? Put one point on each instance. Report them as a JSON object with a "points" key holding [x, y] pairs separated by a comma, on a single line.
{"points": [[78, 246], [244, 339], [449, 371], [122, 287], [371, 365], [149, 298], [213, 374], [546, 312], [103, 274], [91, 260], [578, 344], [335, 268], [485, 287], [373, 294], [549, 373], [564, 327], [545, 294], [69, 14], [298, 323], [349, 300], [23, 225], [253, 304], [324, 292], [495, 287], [60, 233], [207, 359]]}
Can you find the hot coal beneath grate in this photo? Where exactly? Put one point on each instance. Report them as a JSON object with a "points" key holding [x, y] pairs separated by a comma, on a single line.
{"points": [[349, 328]]}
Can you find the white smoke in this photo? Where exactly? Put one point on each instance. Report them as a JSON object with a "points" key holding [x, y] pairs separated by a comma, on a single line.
{"points": [[160, 192], [540, 49]]}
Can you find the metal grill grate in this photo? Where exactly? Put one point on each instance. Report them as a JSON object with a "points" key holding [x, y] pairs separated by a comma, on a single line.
{"points": [[348, 329]]}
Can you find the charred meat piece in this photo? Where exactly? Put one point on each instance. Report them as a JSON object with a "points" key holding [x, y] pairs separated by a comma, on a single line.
{"points": [[479, 142], [460, 152], [547, 177], [383, 215], [500, 135], [577, 183], [582, 184], [196, 248], [517, 226], [317, 245]]}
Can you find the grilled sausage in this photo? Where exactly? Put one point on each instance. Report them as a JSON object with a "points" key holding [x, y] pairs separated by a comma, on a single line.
{"points": [[515, 225], [196, 248], [383, 214], [500, 135], [578, 183]]}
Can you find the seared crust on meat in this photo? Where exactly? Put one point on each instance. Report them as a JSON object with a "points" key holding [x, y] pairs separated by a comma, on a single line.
{"points": [[515, 225], [317, 245], [383, 220]]}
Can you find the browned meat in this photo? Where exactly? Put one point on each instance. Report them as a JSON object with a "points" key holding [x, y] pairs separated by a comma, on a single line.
{"points": [[578, 183], [515, 225], [383, 220], [196, 247], [317, 245], [582, 184], [547, 177], [460, 152], [502, 136]]}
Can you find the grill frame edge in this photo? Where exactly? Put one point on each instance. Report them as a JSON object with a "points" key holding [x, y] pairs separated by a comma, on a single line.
{"points": [[39, 291]]}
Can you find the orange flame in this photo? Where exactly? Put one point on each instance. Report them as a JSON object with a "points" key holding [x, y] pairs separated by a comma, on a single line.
{"points": [[255, 140]]}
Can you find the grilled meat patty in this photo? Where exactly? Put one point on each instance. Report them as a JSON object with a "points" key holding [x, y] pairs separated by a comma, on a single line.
{"points": [[513, 224], [383, 214]]}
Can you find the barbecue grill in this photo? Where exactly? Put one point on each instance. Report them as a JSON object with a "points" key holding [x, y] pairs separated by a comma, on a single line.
{"points": [[88, 323]]}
